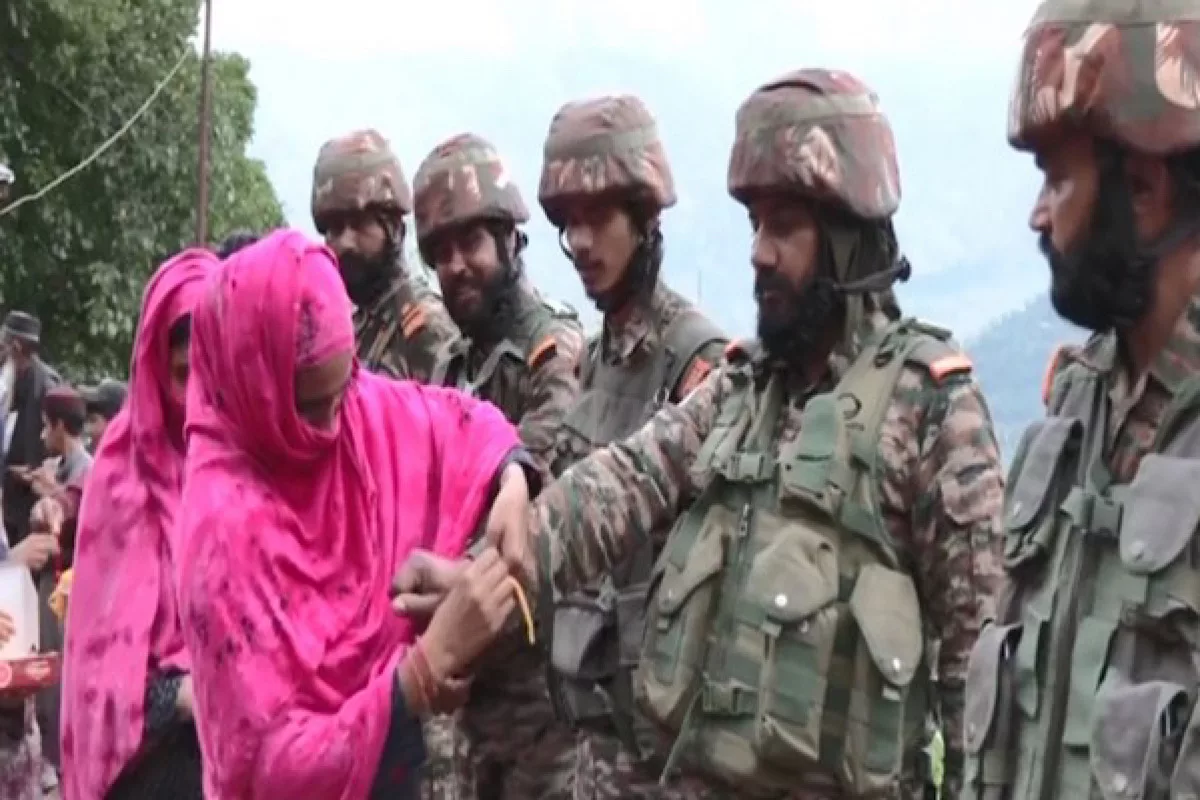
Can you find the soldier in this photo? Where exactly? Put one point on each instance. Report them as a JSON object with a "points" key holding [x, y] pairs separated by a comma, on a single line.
{"points": [[359, 200], [1086, 685], [518, 351], [834, 491], [605, 183]]}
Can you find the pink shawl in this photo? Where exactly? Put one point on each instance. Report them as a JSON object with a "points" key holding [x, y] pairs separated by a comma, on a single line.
{"points": [[122, 620], [293, 534]]}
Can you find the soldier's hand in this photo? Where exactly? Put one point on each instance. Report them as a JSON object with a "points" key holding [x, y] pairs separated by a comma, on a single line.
{"points": [[508, 523], [8, 626], [423, 583], [471, 616]]}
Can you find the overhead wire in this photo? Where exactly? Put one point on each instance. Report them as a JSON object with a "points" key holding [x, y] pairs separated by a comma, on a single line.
{"points": [[106, 144]]}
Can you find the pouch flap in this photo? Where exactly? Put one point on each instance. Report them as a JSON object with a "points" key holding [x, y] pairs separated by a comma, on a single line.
{"points": [[885, 605], [794, 576], [701, 563], [1129, 724], [578, 631], [993, 649], [1161, 512], [1047, 442]]}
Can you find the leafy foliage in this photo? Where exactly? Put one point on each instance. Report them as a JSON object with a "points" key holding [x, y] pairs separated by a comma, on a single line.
{"points": [[71, 74]]}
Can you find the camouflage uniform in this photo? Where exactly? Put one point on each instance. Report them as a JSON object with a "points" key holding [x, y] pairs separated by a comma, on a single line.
{"points": [[508, 730], [402, 331], [1086, 685], [823, 532], [654, 351]]}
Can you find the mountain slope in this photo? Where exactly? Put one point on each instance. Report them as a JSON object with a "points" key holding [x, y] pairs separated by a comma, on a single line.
{"points": [[1010, 358]]}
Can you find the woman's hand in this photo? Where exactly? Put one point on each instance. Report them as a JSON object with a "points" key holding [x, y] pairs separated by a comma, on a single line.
{"points": [[508, 523], [423, 583], [471, 616]]}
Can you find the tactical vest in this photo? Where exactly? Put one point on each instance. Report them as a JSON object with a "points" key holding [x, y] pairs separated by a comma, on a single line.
{"points": [[595, 634], [451, 365], [784, 640], [1086, 685]]}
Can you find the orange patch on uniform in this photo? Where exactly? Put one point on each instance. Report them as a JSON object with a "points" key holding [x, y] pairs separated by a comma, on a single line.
{"points": [[735, 348], [547, 348], [413, 322], [694, 377], [948, 365], [1051, 370]]}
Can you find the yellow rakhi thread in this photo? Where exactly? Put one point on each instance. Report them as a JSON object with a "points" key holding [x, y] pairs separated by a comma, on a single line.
{"points": [[523, 602]]}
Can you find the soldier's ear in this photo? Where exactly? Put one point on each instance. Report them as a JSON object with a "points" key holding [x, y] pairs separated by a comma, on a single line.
{"points": [[1151, 194]]}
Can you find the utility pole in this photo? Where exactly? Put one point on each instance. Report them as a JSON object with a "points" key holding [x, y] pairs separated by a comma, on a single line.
{"points": [[205, 131]]}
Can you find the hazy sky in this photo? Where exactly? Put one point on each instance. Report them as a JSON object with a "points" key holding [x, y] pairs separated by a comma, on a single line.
{"points": [[943, 69]]}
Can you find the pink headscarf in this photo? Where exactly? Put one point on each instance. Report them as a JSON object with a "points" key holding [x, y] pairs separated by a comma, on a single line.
{"points": [[294, 534], [122, 620]]}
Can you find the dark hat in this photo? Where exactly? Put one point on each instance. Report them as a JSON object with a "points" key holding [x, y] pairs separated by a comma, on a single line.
{"points": [[105, 398], [21, 325], [62, 401]]}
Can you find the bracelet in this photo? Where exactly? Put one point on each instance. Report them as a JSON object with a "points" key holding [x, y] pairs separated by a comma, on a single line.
{"points": [[419, 679], [423, 672]]}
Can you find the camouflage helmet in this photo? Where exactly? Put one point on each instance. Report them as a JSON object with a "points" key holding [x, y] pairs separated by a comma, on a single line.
{"points": [[1122, 70], [821, 134], [464, 180], [604, 146], [358, 171]]}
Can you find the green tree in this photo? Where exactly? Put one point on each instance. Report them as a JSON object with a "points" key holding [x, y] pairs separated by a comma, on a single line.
{"points": [[71, 74]]}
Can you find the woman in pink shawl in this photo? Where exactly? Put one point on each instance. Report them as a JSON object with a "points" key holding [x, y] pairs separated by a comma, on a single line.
{"points": [[308, 482], [126, 694]]}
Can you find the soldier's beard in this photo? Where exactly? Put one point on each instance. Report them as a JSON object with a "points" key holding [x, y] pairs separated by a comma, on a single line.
{"points": [[795, 333], [366, 279], [1105, 280], [493, 316]]}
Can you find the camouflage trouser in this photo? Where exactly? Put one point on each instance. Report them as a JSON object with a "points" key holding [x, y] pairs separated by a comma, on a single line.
{"points": [[519, 751], [505, 744], [448, 774], [607, 771]]}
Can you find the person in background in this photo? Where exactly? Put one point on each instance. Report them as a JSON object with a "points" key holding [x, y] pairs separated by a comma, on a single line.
{"points": [[21, 762], [102, 401], [21, 335], [235, 242], [359, 200], [63, 414], [55, 513], [32, 378], [7, 178], [126, 688], [308, 481]]}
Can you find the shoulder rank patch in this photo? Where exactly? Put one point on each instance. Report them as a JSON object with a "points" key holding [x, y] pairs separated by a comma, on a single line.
{"points": [[412, 319], [948, 365], [1052, 366], [695, 375], [545, 349], [736, 349]]}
